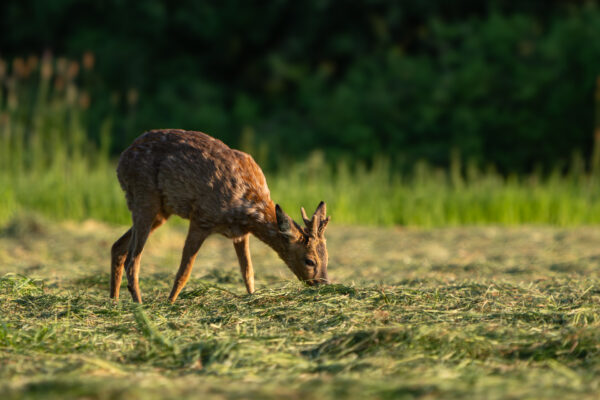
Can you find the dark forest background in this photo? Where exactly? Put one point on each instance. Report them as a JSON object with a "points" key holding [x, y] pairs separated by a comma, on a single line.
{"points": [[506, 83]]}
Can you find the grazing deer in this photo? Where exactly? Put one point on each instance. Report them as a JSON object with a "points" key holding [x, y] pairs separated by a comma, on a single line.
{"points": [[220, 190]]}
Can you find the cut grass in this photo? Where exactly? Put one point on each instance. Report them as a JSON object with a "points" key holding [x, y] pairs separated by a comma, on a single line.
{"points": [[447, 313]]}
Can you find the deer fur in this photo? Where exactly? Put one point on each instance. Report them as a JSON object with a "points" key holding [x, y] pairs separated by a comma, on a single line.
{"points": [[220, 190]]}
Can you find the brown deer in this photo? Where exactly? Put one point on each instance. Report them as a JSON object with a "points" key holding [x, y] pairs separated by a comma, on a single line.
{"points": [[220, 190]]}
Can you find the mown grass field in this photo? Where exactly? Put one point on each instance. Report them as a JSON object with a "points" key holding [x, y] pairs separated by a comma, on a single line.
{"points": [[474, 312], [478, 311]]}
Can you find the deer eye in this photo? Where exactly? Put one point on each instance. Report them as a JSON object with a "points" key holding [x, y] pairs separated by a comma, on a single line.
{"points": [[309, 262]]}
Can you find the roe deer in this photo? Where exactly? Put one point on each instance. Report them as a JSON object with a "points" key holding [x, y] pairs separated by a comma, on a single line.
{"points": [[220, 190]]}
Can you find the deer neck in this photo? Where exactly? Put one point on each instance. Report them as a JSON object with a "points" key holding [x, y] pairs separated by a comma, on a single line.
{"points": [[266, 230]]}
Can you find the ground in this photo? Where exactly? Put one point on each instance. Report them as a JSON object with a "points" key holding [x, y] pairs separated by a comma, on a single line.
{"points": [[470, 312]]}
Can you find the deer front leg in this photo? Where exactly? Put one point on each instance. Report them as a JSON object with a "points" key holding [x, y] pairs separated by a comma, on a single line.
{"points": [[193, 242], [242, 249]]}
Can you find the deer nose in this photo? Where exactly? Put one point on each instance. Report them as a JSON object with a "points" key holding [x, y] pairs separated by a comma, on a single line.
{"points": [[319, 281]]}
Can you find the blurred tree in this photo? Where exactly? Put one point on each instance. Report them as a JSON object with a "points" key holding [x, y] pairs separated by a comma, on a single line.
{"points": [[502, 82]]}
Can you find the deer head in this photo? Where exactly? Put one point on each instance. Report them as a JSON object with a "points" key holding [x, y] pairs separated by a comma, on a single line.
{"points": [[305, 247]]}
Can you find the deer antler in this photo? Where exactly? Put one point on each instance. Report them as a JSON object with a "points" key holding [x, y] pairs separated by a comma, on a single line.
{"points": [[316, 225], [323, 225], [304, 216]]}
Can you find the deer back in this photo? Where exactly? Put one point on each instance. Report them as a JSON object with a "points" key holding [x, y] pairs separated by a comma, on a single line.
{"points": [[195, 175]]}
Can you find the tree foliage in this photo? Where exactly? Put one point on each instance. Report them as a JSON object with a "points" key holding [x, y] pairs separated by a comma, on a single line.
{"points": [[501, 82]]}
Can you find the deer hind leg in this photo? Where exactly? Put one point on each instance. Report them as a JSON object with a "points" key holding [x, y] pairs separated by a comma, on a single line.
{"points": [[117, 261], [242, 249], [119, 252], [193, 241], [145, 220]]}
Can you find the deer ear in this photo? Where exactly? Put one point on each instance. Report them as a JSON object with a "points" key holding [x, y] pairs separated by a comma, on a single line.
{"points": [[283, 222], [321, 211]]}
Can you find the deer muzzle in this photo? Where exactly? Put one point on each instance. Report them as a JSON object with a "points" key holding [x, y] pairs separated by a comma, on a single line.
{"points": [[318, 281]]}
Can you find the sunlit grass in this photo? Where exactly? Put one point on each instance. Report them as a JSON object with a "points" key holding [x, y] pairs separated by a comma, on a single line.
{"points": [[432, 197], [78, 191]]}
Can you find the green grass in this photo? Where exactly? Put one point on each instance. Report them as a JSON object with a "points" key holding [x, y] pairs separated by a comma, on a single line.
{"points": [[445, 313], [76, 190]]}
